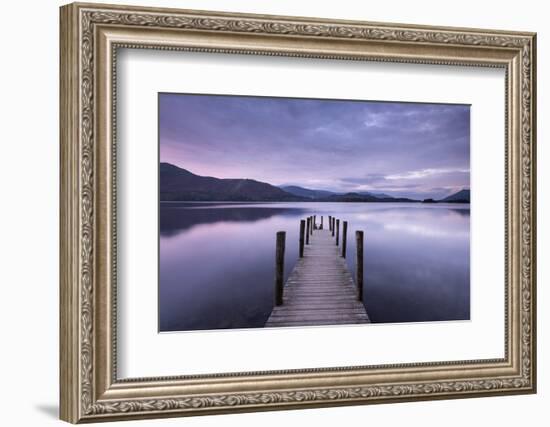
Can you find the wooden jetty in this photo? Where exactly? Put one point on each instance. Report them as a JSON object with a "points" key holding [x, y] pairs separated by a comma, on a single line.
{"points": [[320, 289]]}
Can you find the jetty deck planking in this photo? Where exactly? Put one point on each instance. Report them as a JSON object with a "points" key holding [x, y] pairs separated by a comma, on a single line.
{"points": [[320, 289]]}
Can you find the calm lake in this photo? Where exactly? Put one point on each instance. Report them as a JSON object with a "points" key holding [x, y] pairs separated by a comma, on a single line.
{"points": [[217, 260]]}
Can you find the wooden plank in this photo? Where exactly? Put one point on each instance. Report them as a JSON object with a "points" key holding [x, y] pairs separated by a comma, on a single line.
{"points": [[320, 289]]}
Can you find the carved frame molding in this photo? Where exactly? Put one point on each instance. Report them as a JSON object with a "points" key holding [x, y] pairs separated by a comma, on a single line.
{"points": [[90, 37]]}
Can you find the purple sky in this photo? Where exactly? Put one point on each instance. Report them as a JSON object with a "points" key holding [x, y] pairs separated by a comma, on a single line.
{"points": [[401, 149]]}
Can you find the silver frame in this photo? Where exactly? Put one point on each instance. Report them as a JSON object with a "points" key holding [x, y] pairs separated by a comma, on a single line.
{"points": [[90, 37]]}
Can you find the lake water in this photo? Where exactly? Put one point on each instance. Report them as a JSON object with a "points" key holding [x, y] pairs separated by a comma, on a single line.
{"points": [[217, 260]]}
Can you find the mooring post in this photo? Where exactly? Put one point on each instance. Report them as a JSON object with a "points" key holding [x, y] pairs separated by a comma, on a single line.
{"points": [[333, 223], [279, 266], [315, 222], [307, 230], [321, 222], [359, 263], [329, 223], [311, 225], [302, 232], [337, 232], [344, 238]]}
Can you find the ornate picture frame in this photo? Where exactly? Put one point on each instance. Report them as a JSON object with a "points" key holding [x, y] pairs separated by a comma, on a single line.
{"points": [[90, 37]]}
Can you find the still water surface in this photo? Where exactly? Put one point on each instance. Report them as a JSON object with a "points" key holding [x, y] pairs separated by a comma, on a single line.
{"points": [[217, 260]]}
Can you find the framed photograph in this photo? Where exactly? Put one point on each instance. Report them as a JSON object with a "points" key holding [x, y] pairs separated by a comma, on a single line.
{"points": [[266, 212]]}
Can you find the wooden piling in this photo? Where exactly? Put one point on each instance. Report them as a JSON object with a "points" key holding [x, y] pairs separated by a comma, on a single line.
{"points": [[359, 264], [302, 233], [329, 223], [321, 227], [307, 230], [279, 267], [333, 223], [337, 232], [315, 222], [344, 238]]}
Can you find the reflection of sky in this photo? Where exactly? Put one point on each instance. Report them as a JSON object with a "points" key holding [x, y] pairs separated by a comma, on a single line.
{"points": [[423, 230], [402, 149], [217, 267], [407, 221]]}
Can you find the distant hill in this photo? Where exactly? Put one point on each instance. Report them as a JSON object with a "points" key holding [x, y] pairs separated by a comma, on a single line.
{"points": [[305, 192], [378, 195], [323, 195], [362, 197], [180, 184], [463, 196]]}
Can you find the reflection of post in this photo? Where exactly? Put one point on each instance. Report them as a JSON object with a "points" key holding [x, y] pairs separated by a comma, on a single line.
{"points": [[279, 266], [321, 222], [333, 222], [344, 237], [359, 263], [302, 232], [307, 231], [337, 232]]}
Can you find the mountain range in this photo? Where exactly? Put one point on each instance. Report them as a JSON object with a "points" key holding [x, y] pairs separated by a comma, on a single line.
{"points": [[320, 194], [306, 192], [178, 184], [463, 196]]}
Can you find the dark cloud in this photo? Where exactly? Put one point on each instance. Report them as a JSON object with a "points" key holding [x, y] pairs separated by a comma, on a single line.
{"points": [[327, 144]]}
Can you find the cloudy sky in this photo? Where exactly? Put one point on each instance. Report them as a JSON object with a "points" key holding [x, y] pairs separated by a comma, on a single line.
{"points": [[401, 149]]}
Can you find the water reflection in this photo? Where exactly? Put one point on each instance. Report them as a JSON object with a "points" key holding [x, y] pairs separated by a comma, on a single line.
{"points": [[176, 217], [217, 260]]}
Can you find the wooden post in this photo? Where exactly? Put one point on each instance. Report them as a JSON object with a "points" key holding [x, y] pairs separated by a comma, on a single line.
{"points": [[359, 262], [329, 223], [337, 232], [333, 223], [344, 238], [302, 232], [279, 267], [311, 225], [315, 222], [307, 231], [321, 222]]}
